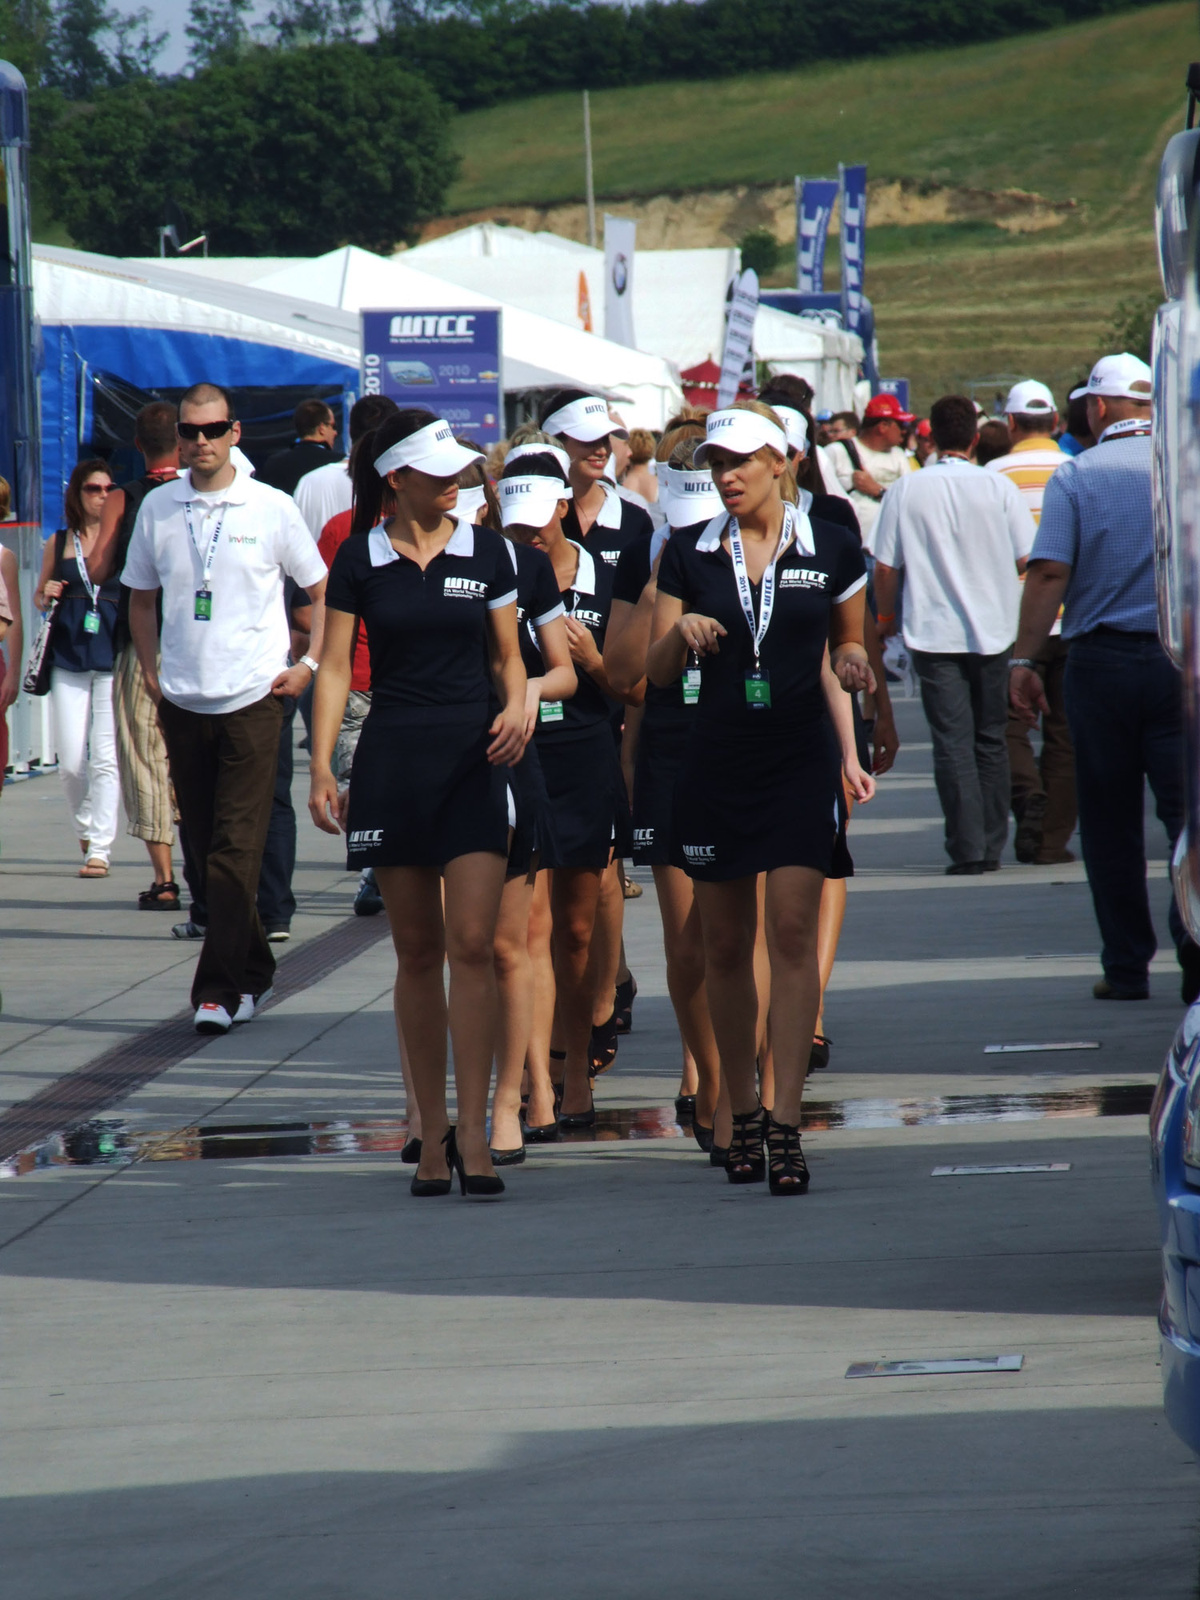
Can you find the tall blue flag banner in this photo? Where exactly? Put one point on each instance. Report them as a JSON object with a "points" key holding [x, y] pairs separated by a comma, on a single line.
{"points": [[896, 386], [815, 200], [446, 361], [853, 182]]}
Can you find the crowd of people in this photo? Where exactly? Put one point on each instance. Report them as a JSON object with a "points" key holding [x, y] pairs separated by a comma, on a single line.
{"points": [[520, 669]]}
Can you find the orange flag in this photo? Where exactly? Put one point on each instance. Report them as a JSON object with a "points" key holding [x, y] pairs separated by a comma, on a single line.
{"points": [[584, 311]]}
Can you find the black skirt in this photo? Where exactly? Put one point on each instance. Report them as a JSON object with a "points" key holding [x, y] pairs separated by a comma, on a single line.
{"points": [[660, 754], [534, 842], [746, 802], [422, 790], [588, 804]]}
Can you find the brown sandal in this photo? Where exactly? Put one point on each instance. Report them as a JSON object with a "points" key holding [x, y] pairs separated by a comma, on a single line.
{"points": [[93, 867]]}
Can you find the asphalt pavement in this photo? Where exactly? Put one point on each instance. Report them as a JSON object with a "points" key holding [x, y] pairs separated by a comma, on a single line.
{"points": [[239, 1360]]}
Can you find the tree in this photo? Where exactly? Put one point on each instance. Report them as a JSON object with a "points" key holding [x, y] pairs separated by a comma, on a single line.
{"points": [[297, 22], [24, 33], [77, 61], [760, 250], [279, 152], [216, 29]]}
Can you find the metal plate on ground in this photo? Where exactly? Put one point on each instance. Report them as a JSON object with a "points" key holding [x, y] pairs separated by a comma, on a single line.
{"points": [[1037, 1049], [1015, 1166], [923, 1369]]}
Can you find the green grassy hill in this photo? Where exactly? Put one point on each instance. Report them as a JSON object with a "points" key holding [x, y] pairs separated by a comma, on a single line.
{"points": [[1079, 113]]}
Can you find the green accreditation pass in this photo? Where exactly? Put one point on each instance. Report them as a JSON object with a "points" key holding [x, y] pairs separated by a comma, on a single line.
{"points": [[758, 690], [203, 611], [691, 686], [91, 622], [550, 711]]}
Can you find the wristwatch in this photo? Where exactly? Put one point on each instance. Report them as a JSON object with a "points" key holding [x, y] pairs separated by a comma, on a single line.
{"points": [[307, 661], [1021, 661]]}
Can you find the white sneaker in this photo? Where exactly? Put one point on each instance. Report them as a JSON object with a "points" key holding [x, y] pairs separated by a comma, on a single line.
{"points": [[250, 1005], [212, 1018]]}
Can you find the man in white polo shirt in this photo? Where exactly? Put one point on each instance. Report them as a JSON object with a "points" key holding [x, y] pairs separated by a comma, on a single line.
{"points": [[962, 535], [219, 545]]}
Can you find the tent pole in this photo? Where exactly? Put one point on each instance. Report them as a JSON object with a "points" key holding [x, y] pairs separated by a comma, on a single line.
{"points": [[587, 161]]}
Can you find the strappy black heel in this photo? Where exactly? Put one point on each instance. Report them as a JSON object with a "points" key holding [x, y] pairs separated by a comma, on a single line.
{"points": [[426, 1188], [476, 1184], [788, 1170], [746, 1162]]}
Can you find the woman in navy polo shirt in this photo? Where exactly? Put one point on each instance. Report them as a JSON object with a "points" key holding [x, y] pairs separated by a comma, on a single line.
{"points": [[428, 798], [757, 597], [578, 757]]}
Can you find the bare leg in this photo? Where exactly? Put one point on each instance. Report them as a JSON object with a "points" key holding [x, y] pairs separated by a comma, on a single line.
{"points": [[728, 919], [474, 886], [574, 897], [829, 932], [412, 899], [514, 980], [412, 1109], [539, 1113], [684, 945], [160, 860], [792, 911], [605, 955], [762, 982]]}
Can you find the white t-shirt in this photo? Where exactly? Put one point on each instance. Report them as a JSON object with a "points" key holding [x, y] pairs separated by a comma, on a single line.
{"points": [[231, 660], [829, 475], [958, 532], [323, 493], [885, 466]]}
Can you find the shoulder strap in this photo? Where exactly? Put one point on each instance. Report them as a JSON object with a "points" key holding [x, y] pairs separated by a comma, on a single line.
{"points": [[851, 449]]}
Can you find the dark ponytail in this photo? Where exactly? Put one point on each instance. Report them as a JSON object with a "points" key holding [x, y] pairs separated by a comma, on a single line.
{"points": [[369, 487]]}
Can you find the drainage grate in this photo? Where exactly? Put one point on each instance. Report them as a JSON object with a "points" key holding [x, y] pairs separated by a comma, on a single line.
{"points": [[72, 1099]]}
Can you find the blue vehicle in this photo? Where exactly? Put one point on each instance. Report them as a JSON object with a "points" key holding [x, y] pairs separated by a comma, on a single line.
{"points": [[1175, 1113]]}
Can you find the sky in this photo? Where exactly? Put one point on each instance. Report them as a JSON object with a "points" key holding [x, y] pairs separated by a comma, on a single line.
{"points": [[170, 16]]}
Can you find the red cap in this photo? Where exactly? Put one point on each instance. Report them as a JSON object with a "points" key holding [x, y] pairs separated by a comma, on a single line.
{"points": [[923, 428], [885, 406]]}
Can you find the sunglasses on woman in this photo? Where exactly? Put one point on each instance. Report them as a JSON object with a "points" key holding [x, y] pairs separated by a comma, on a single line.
{"points": [[191, 431], [98, 488]]}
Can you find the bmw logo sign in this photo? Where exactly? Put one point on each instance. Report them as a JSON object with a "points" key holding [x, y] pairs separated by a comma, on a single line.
{"points": [[620, 274]]}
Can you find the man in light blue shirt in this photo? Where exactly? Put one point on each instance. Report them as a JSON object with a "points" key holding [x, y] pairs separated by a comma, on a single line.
{"points": [[1094, 555]]}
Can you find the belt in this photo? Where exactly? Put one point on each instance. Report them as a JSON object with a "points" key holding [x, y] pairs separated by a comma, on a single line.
{"points": [[1104, 631]]}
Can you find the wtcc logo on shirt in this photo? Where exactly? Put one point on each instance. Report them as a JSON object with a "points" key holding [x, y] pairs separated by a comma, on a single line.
{"points": [[364, 838], [700, 855], [643, 836], [464, 588], [590, 619], [802, 578], [610, 557]]}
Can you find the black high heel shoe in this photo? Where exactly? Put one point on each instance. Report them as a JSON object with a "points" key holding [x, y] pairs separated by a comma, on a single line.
{"points": [[685, 1106], [623, 1009], [602, 1049], [578, 1119], [541, 1133], [703, 1136], [411, 1154], [746, 1162], [787, 1169], [476, 1184], [426, 1188]]}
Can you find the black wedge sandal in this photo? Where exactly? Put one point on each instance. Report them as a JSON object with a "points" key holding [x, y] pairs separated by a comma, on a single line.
{"points": [[746, 1162], [788, 1170]]}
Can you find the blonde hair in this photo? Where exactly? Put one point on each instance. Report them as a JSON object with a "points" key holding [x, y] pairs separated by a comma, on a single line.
{"points": [[530, 433], [688, 429], [787, 484], [641, 446]]}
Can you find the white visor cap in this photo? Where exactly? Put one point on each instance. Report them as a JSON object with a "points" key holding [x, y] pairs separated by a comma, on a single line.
{"points": [[1122, 377], [554, 450], [741, 433], [432, 449], [1028, 399], [469, 502], [794, 426], [688, 497], [529, 501], [585, 420]]}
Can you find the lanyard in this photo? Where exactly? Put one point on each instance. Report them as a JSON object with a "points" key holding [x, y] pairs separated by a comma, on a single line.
{"points": [[93, 589], [206, 560], [1121, 430], [758, 630]]}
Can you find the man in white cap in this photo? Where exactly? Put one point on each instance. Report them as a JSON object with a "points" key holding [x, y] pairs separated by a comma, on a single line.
{"points": [[1094, 557], [1043, 794]]}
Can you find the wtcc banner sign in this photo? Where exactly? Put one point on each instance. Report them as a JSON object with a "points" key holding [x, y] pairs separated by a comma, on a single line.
{"points": [[815, 200], [853, 182], [447, 361]]}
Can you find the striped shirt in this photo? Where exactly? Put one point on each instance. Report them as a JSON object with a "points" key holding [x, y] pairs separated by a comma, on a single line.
{"points": [[1098, 520], [1031, 464]]}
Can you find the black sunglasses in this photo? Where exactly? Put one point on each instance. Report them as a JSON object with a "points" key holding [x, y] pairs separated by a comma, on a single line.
{"points": [[208, 430]]}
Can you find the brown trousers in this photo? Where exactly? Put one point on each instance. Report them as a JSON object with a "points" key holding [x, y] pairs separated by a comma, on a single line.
{"points": [[1056, 777], [223, 770]]}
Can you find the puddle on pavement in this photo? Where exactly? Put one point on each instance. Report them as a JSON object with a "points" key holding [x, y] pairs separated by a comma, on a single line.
{"points": [[111, 1142]]}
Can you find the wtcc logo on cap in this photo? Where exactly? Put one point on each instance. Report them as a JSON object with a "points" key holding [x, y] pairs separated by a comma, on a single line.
{"points": [[464, 588], [728, 419], [595, 408], [700, 855]]}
